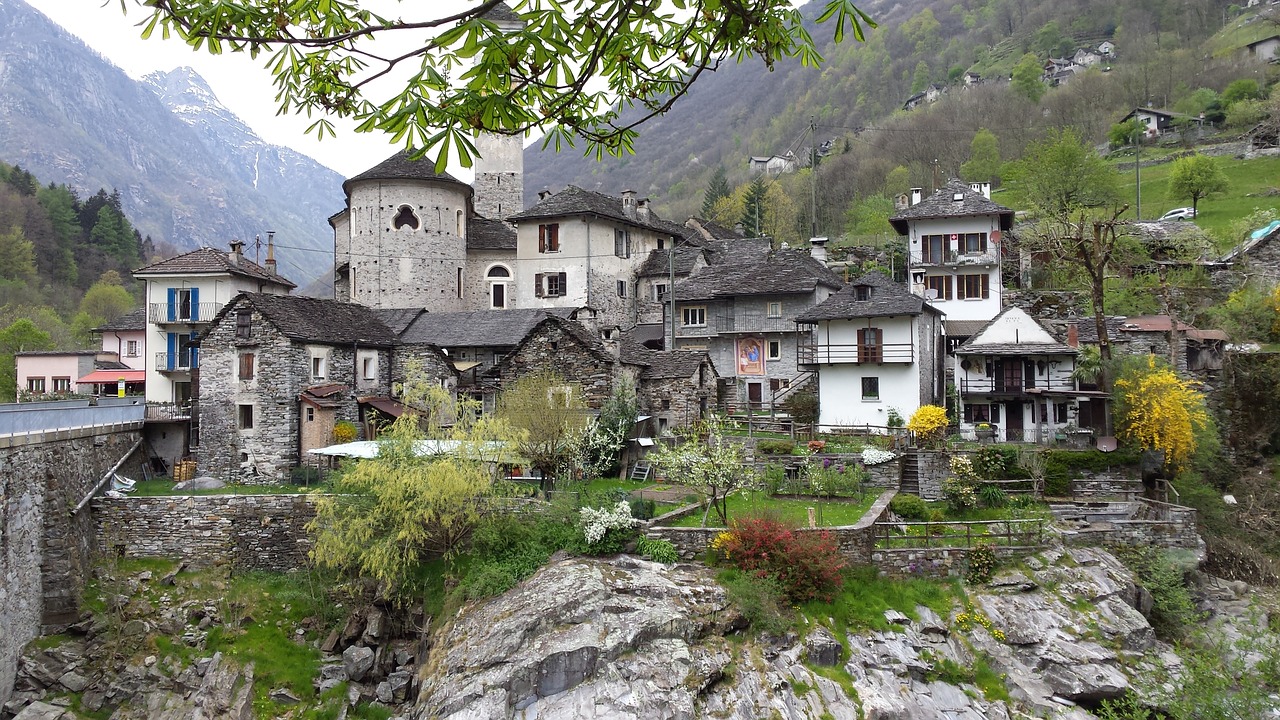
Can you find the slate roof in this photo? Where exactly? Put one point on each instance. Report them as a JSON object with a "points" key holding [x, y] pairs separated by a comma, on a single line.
{"points": [[964, 328], [398, 319], [316, 320], [659, 365], [132, 321], [657, 265], [207, 260], [942, 204], [701, 229], [572, 328], [479, 328], [502, 12], [783, 272], [887, 298], [486, 234], [400, 167], [573, 200]]}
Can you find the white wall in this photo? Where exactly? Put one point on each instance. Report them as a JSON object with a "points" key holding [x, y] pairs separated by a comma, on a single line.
{"points": [[118, 342], [987, 263], [840, 394]]}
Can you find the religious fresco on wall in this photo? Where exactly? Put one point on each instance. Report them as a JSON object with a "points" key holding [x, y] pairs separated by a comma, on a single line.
{"points": [[750, 356]]}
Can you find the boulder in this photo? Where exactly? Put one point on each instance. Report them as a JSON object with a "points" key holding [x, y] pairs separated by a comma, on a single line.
{"points": [[357, 660], [822, 648]]}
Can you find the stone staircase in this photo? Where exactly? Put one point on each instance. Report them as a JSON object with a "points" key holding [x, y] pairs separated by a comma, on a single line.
{"points": [[910, 482]]}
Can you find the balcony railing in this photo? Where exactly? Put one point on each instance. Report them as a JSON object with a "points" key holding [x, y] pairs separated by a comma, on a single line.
{"points": [[829, 354], [753, 324], [167, 411], [182, 313], [1014, 386], [181, 361], [951, 257]]}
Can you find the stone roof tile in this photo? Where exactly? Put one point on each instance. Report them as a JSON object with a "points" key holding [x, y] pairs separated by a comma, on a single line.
{"points": [[886, 298], [208, 261], [943, 204]]}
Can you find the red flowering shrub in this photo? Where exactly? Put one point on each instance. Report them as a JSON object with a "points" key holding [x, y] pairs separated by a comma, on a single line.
{"points": [[807, 564]]}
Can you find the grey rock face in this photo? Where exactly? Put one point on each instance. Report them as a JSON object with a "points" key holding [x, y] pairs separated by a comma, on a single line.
{"points": [[822, 648]]}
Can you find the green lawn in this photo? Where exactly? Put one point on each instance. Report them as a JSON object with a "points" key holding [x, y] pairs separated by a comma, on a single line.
{"points": [[831, 513], [164, 486], [1249, 179]]}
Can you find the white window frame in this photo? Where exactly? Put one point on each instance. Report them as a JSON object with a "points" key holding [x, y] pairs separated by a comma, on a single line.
{"points": [[240, 416], [132, 348], [696, 312], [774, 309], [659, 292], [60, 384], [622, 288], [319, 366], [770, 347], [36, 384]]}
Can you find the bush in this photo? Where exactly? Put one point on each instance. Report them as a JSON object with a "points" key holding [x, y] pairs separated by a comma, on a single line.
{"points": [[928, 423], [992, 496], [760, 599], [642, 508], [959, 494], [304, 475], [910, 507], [803, 406], [606, 531], [658, 550], [506, 549], [1173, 611], [775, 447], [806, 565], [995, 462], [775, 477], [982, 564], [344, 432]]}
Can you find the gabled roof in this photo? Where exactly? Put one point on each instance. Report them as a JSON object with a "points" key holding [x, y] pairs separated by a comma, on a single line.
{"points": [[699, 229], [782, 273], [479, 328], [1014, 332], [400, 167], [659, 265], [659, 365], [573, 200], [1258, 42], [315, 320], [887, 298], [133, 321], [486, 234], [398, 319], [572, 328], [502, 13], [943, 204], [1153, 111], [1261, 236], [324, 396], [208, 261]]}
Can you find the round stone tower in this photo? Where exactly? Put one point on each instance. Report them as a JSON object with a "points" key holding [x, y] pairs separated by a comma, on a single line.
{"points": [[401, 242]]}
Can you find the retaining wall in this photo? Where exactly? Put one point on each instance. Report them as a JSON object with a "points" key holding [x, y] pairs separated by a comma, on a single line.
{"points": [[44, 547], [1143, 523], [934, 562], [261, 532]]}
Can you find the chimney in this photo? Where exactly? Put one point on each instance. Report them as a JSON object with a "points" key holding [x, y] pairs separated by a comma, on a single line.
{"points": [[642, 210], [629, 203], [917, 194], [271, 252], [1073, 334], [739, 228], [818, 249], [544, 193], [982, 188], [237, 248]]}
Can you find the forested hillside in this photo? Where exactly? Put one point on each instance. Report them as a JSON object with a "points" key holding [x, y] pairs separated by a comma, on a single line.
{"points": [[1179, 54], [65, 266]]}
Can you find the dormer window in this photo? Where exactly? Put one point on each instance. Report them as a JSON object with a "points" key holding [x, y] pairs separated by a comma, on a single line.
{"points": [[405, 217], [862, 292], [958, 197]]}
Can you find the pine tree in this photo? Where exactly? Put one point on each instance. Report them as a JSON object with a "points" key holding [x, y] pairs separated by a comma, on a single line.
{"points": [[717, 187], [753, 210]]}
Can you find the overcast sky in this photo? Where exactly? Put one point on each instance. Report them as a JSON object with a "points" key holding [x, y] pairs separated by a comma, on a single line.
{"points": [[242, 84]]}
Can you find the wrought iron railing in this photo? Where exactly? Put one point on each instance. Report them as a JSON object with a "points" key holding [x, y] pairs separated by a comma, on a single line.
{"points": [[182, 313], [832, 353]]}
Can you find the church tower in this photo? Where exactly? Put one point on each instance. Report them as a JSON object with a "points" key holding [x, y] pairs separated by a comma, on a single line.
{"points": [[499, 183]]}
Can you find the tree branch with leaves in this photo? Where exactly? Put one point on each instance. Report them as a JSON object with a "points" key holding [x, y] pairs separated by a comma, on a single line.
{"points": [[586, 69]]}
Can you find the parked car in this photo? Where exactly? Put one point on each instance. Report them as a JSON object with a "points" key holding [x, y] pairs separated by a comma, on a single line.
{"points": [[1179, 214]]}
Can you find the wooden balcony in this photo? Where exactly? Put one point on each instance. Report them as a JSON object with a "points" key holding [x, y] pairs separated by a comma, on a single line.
{"points": [[1015, 386], [814, 353]]}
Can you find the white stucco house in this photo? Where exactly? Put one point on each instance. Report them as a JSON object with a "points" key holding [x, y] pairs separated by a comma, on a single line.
{"points": [[1014, 380], [954, 249], [876, 348]]}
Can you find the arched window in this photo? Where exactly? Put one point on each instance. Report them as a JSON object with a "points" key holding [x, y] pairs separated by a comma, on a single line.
{"points": [[498, 277], [405, 217], [462, 229]]}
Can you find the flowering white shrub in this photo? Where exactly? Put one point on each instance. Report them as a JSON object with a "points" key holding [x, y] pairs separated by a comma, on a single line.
{"points": [[875, 456], [598, 521]]}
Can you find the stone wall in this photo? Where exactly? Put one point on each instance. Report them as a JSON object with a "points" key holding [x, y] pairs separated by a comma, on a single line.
{"points": [[885, 474], [856, 542], [553, 348], [261, 532], [678, 401], [1105, 485], [933, 467], [44, 548], [934, 562], [1144, 523]]}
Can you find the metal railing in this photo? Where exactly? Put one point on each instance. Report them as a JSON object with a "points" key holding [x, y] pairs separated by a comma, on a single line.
{"points": [[832, 353], [41, 419], [167, 411], [182, 313], [181, 361], [1014, 385]]}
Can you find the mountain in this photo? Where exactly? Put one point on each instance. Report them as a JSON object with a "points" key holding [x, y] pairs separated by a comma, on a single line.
{"points": [[189, 172]]}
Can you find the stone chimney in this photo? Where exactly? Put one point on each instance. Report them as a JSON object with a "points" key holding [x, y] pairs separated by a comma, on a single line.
{"points": [[642, 210], [1073, 335], [917, 194], [739, 228], [818, 249], [237, 252], [270, 264], [544, 193], [982, 188], [629, 203]]}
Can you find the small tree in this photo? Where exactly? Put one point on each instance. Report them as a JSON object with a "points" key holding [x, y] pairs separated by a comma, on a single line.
{"points": [[606, 436], [1026, 78], [1157, 410], [928, 423], [1124, 133], [717, 188], [552, 416], [1195, 177], [713, 465]]}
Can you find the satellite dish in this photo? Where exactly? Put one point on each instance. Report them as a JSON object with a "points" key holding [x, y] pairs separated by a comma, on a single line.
{"points": [[931, 293]]}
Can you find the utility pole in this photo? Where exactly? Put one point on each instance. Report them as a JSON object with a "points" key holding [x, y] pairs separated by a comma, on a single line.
{"points": [[1137, 171], [813, 176], [671, 295]]}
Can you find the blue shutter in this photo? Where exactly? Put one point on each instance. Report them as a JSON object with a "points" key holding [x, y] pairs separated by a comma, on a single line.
{"points": [[195, 306], [172, 355], [193, 349], [173, 307]]}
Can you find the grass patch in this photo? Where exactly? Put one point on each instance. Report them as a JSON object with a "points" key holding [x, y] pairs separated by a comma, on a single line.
{"points": [[794, 513], [161, 487], [865, 596]]}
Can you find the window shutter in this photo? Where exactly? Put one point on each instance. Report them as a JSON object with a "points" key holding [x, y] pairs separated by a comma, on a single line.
{"points": [[194, 350], [173, 342], [195, 305], [563, 287], [960, 287], [982, 242], [542, 240], [537, 285], [986, 286], [173, 304], [995, 412]]}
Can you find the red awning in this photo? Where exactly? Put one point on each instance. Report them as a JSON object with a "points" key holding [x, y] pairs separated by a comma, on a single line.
{"points": [[110, 377]]}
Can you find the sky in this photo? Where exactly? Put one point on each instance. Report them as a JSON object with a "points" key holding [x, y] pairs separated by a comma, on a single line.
{"points": [[241, 83]]}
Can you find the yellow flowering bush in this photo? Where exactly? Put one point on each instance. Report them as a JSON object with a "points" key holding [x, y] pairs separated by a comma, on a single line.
{"points": [[1157, 410], [721, 544], [969, 618], [928, 423]]}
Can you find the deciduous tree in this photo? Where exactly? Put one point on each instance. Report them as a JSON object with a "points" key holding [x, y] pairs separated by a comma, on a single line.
{"points": [[704, 459], [570, 69], [1026, 78], [984, 159], [1195, 177], [552, 416]]}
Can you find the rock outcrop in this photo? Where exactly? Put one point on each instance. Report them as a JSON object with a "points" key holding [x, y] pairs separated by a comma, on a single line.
{"points": [[627, 638]]}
